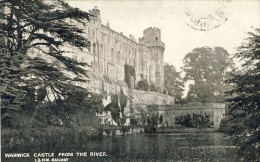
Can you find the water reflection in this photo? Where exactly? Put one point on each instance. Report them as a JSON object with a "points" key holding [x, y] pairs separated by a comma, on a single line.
{"points": [[157, 147], [168, 147]]}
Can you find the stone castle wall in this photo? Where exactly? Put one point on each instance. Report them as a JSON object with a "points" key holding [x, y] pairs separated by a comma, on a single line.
{"points": [[150, 98], [110, 51], [216, 112]]}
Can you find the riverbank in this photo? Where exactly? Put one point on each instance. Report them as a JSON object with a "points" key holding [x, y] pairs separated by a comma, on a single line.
{"points": [[59, 137], [184, 130], [127, 130], [44, 139]]}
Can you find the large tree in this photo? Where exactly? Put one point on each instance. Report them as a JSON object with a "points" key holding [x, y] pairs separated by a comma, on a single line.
{"points": [[173, 81], [29, 28], [207, 68], [244, 108]]}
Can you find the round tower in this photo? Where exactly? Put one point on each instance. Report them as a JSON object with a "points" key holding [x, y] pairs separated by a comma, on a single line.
{"points": [[152, 39], [96, 14]]}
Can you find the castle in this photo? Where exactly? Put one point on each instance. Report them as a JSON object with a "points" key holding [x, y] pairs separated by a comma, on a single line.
{"points": [[112, 53], [119, 62]]}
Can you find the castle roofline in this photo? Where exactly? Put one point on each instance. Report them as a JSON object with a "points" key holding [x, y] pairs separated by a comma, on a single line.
{"points": [[152, 28], [104, 26]]}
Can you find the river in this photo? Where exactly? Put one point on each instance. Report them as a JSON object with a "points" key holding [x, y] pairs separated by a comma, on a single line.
{"points": [[166, 147], [179, 147]]}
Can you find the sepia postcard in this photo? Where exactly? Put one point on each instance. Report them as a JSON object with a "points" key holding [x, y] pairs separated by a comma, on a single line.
{"points": [[130, 80]]}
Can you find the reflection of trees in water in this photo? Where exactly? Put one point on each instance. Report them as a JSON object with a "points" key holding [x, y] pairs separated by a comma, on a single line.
{"points": [[196, 120], [152, 123]]}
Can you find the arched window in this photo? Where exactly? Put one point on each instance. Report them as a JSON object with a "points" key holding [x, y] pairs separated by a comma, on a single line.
{"points": [[151, 73], [118, 57], [88, 31], [96, 66], [93, 34], [101, 50], [94, 48], [101, 67], [112, 55], [89, 47]]}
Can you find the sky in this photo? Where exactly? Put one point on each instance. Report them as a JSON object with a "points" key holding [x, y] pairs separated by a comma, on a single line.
{"points": [[174, 18]]}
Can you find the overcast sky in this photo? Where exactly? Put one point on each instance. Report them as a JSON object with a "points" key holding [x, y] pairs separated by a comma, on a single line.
{"points": [[132, 17]]}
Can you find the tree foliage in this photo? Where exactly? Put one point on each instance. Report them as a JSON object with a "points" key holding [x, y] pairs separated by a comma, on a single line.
{"points": [[71, 111], [208, 68], [142, 85], [173, 81], [244, 108], [30, 28], [117, 107]]}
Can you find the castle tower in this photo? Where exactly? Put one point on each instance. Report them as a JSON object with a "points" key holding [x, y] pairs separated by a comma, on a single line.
{"points": [[152, 39], [95, 12]]}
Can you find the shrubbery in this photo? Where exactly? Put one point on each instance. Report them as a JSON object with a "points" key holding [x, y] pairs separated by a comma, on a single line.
{"points": [[45, 139], [145, 86], [196, 120], [142, 85]]}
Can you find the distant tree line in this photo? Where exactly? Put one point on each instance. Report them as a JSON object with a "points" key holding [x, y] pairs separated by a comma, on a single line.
{"points": [[215, 79], [207, 69]]}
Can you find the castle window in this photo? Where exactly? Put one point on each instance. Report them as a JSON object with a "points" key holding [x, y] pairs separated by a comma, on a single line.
{"points": [[156, 38], [101, 50], [93, 34], [100, 67], [94, 48], [122, 59], [96, 66], [89, 47], [118, 57], [112, 55], [92, 65]]}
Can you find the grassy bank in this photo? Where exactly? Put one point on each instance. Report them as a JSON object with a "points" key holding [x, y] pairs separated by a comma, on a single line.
{"points": [[45, 139]]}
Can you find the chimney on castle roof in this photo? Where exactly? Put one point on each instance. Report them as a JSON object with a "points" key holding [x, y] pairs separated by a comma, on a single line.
{"points": [[107, 23], [131, 37]]}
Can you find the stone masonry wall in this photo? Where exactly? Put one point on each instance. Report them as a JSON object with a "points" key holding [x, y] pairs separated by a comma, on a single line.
{"points": [[216, 111]]}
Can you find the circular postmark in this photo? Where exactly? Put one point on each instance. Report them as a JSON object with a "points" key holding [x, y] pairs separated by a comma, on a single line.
{"points": [[206, 15]]}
